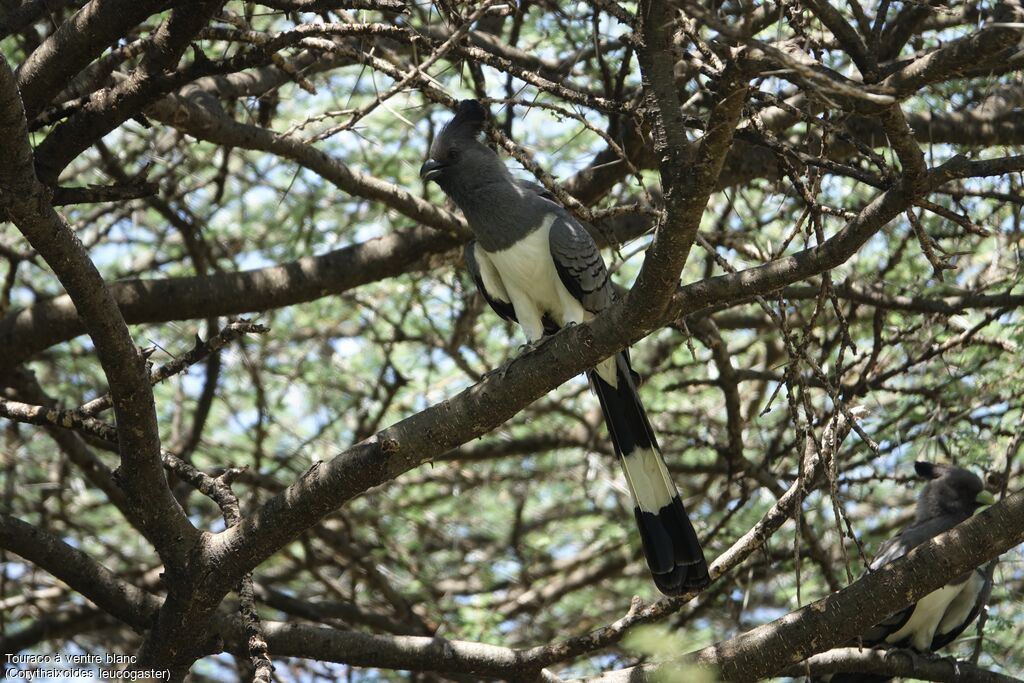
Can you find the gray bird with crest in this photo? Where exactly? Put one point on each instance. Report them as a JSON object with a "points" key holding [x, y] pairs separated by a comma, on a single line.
{"points": [[951, 496], [536, 265]]}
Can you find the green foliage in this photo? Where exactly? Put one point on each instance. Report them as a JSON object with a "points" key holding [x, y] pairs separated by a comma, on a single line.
{"points": [[524, 536]]}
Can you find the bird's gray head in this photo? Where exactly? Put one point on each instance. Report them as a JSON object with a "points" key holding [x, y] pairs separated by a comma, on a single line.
{"points": [[950, 490], [458, 161]]}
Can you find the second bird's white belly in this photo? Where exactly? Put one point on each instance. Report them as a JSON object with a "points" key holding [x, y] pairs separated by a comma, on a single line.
{"points": [[925, 618]]}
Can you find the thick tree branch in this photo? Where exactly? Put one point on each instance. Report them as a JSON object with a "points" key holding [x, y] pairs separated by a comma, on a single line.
{"points": [[686, 187], [414, 653], [950, 60], [25, 202], [74, 44], [898, 662], [102, 193], [34, 329], [832, 19]]}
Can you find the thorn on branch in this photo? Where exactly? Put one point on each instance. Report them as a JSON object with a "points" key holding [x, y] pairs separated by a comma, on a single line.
{"points": [[929, 247], [952, 216]]}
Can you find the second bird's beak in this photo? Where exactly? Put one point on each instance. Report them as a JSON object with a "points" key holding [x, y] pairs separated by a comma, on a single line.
{"points": [[430, 170]]}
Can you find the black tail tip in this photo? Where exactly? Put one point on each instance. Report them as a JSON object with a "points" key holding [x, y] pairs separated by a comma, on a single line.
{"points": [[672, 549], [683, 579]]}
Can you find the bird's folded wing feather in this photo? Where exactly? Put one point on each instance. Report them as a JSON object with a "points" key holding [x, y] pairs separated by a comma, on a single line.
{"points": [[536, 188], [579, 263]]}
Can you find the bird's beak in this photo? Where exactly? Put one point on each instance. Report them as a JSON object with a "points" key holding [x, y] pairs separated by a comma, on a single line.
{"points": [[430, 170], [984, 499]]}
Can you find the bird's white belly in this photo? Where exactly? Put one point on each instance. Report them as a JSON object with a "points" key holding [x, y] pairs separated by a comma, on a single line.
{"points": [[958, 610], [528, 274], [528, 267], [925, 619]]}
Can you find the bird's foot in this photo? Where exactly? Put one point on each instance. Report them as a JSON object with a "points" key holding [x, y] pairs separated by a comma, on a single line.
{"points": [[499, 371], [536, 343], [529, 346]]}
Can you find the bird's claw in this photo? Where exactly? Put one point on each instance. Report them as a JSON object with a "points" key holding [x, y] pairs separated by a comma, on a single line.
{"points": [[535, 344]]}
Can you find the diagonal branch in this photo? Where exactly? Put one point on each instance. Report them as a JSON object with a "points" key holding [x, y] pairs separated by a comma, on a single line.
{"points": [[949, 61], [25, 202], [75, 43], [79, 570], [845, 34]]}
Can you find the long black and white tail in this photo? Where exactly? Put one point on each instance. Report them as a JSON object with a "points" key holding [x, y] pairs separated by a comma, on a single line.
{"points": [[670, 543]]}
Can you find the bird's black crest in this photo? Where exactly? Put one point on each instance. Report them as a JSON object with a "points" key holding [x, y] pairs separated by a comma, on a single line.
{"points": [[468, 121], [928, 470]]}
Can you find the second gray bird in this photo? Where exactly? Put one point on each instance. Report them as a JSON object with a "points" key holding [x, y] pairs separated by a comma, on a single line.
{"points": [[951, 496], [536, 265]]}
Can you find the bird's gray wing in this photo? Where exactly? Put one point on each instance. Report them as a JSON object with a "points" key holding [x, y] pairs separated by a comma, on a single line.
{"points": [[484, 274], [577, 259], [579, 263], [911, 537], [535, 188], [893, 549]]}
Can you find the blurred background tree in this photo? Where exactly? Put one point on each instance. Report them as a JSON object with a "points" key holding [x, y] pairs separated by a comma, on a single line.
{"points": [[214, 160]]}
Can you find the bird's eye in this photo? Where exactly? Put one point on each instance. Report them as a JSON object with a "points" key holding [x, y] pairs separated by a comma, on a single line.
{"points": [[453, 154]]}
